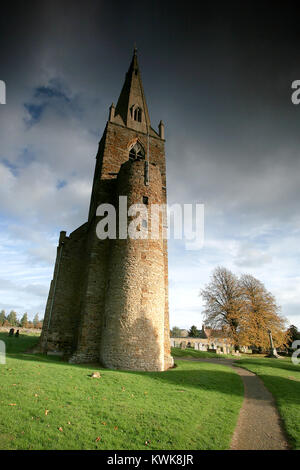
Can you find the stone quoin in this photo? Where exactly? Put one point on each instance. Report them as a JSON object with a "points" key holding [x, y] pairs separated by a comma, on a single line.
{"points": [[108, 299]]}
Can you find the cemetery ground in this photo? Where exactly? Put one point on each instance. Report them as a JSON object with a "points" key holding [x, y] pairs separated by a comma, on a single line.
{"points": [[46, 403]]}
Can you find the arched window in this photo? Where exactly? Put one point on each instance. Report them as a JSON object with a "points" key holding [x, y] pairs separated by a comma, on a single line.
{"points": [[137, 152]]}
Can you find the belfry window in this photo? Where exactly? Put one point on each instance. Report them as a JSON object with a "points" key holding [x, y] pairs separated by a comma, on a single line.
{"points": [[137, 114], [137, 152]]}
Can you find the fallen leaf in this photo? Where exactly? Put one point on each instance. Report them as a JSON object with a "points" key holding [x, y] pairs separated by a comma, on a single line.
{"points": [[98, 439], [96, 375], [103, 422], [115, 428], [12, 404], [46, 412], [60, 429]]}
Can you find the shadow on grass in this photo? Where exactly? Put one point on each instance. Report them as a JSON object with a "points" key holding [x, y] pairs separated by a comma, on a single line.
{"points": [[20, 344], [183, 380], [186, 376], [268, 362], [183, 377]]}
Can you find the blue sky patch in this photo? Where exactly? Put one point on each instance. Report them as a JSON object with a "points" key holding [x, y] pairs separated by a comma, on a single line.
{"points": [[11, 166], [50, 92], [35, 111], [61, 184]]}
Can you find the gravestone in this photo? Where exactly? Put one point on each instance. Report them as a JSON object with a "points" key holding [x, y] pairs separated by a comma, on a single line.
{"points": [[273, 352]]}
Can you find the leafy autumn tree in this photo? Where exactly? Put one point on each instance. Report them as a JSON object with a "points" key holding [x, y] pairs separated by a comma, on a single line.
{"points": [[24, 320], [194, 332], [12, 318], [175, 332], [259, 313], [293, 334], [2, 317], [222, 298]]}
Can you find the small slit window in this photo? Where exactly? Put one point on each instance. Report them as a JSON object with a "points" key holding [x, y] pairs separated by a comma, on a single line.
{"points": [[145, 200]]}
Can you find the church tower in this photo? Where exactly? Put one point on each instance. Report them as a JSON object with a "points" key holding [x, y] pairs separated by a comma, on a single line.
{"points": [[108, 300]]}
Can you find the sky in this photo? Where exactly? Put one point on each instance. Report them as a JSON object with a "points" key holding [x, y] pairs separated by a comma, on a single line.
{"points": [[218, 76]]}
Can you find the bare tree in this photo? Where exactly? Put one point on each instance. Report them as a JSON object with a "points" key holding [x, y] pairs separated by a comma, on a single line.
{"points": [[175, 332], [222, 298]]}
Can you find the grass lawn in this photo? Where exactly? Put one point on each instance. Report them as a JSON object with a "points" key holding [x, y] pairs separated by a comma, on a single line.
{"points": [[49, 404], [191, 352], [282, 378]]}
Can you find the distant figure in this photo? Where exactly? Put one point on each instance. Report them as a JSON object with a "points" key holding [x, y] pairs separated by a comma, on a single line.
{"points": [[11, 332], [17, 334]]}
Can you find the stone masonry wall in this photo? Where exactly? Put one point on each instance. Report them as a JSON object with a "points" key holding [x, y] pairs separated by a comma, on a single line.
{"points": [[133, 335], [62, 310], [94, 286], [98, 284]]}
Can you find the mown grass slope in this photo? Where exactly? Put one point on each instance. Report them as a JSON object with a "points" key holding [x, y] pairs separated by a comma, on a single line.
{"points": [[49, 404], [282, 378]]}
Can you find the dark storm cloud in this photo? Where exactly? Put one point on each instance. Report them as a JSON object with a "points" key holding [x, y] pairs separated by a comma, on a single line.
{"points": [[218, 75]]}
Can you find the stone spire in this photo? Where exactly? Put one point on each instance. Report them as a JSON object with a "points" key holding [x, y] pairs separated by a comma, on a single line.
{"points": [[131, 109]]}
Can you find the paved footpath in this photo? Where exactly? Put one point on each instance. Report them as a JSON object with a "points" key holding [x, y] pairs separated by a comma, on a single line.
{"points": [[259, 425]]}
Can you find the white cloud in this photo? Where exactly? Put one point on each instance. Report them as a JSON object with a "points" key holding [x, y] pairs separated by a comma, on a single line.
{"points": [[251, 223]]}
